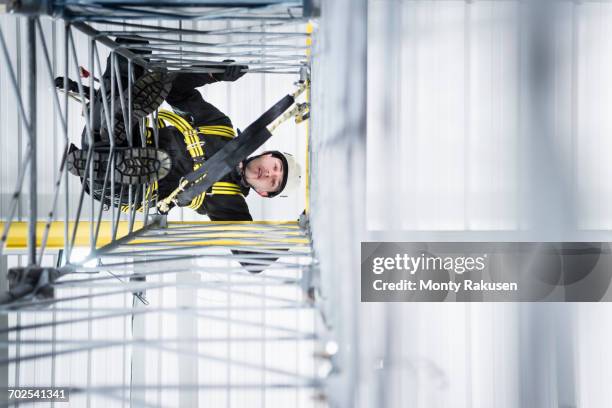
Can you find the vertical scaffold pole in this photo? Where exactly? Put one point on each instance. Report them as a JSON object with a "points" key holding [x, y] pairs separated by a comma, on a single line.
{"points": [[31, 32]]}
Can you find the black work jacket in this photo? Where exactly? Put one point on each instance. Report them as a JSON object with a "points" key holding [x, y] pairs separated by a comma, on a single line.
{"points": [[224, 201]]}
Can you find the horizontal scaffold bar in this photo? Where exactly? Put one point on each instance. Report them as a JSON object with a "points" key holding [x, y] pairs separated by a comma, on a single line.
{"points": [[220, 233]]}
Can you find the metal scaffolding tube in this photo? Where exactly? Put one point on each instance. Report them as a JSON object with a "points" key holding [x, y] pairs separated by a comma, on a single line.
{"points": [[33, 211], [14, 201], [66, 177], [111, 122], [93, 33], [90, 137], [155, 345], [173, 41], [288, 241], [141, 286], [88, 119], [315, 383], [110, 119], [248, 48], [245, 224], [130, 139], [209, 4], [134, 286], [118, 16], [16, 305], [236, 271], [25, 162], [181, 61], [268, 248], [247, 239], [93, 11], [180, 228], [210, 65], [246, 29], [13, 80], [270, 35], [236, 234], [116, 312], [58, 112], [96, 253], [296, 250], [192, 257], [113, 342], [169, 251], [242, 364]]}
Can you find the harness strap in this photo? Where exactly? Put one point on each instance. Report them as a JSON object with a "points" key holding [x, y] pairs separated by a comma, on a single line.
{"points": [[196, 150], [222, 162], [192, 141]]}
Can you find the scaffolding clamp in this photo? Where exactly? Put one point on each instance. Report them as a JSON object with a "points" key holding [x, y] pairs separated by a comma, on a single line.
{"points": [[28, 7], [303, 112], [304, 74], [31, 282], [302, 86]]}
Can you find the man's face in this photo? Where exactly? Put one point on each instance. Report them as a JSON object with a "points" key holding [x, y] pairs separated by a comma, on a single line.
{"points": [[264, 174]]}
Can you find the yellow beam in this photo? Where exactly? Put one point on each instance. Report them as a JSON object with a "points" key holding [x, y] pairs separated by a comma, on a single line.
{"points": [[226, 242], [18, 234], [309, 29], [291, 222]]}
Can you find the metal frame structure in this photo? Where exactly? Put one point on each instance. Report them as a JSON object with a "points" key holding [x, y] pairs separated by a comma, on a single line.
{"points": [[142, 254]]}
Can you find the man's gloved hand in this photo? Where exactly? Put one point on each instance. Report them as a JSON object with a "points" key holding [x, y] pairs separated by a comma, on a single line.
{"points": [[163, 210], [231, 73], [72, 85]]}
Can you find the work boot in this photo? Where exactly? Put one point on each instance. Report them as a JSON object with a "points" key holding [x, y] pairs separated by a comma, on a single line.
{"points": [[135, 165], [148, 93]]}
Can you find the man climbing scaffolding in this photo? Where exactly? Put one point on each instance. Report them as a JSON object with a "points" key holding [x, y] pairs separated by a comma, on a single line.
{"points": [[183, 142]]}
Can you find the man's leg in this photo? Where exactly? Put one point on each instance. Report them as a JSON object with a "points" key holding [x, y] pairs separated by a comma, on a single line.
{"points": [[122, 62], [199, 112]]}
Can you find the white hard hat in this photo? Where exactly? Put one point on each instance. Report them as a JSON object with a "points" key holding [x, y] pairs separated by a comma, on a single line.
{"points": [[294, 176]]}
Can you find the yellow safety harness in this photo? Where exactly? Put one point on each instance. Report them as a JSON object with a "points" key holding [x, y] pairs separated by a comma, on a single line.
{"points": [[196, 150]]}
